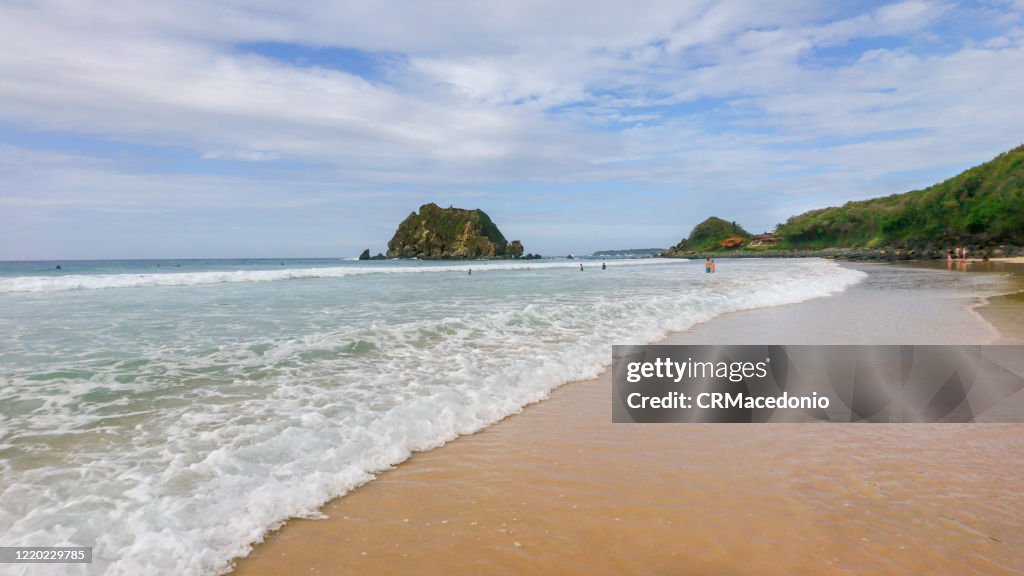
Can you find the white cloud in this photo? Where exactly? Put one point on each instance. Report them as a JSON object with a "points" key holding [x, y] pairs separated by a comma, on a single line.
{"points": [[706, 96]]}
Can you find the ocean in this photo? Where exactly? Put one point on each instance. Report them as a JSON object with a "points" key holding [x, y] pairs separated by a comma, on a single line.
{"points": [[170, 413]]}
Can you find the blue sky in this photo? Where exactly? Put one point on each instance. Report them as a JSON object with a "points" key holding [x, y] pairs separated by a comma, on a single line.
{"points": [[279, 129]]}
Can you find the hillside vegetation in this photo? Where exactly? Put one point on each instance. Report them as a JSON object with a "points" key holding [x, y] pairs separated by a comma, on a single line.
{"points": [[710, 235], [982, 206], [450, 233]]}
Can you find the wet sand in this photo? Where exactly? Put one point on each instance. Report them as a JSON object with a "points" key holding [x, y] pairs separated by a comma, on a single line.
{"points": [[1004, 311], [558, 489]]}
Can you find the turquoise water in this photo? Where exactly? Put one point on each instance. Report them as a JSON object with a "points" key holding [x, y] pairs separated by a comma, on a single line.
{"points": [[169, 416]]}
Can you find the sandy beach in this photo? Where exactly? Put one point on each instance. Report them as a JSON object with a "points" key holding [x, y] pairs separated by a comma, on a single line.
{"points": [[559, 489]]}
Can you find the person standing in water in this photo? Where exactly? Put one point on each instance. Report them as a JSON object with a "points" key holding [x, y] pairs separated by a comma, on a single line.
{"points": [[604, 266], [707, 265], [581, 266], [712, 265]]}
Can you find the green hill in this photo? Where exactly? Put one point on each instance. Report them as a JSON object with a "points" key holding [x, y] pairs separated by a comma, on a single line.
{"points": [[708, 236], [981, 206]]}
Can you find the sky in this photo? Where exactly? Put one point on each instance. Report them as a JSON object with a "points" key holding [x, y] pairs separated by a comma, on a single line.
{"points": [[201, 129]]}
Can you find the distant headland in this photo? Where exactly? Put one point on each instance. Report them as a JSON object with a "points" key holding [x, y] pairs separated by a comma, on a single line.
{"points": [[981, 209], [628, 253]]}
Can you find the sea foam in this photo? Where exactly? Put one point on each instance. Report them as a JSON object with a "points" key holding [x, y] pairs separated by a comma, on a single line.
{"points": [[59, 283], [170, 430]]}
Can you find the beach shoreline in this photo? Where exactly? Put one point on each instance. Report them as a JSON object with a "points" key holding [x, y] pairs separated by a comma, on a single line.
{"points": [[559, 489], [1003, 310]]}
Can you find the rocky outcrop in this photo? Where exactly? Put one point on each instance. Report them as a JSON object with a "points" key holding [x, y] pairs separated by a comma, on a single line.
{"points": [[366, 256], [437, 233]]}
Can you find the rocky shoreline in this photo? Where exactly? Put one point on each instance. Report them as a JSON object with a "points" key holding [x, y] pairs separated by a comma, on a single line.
{"points": [[884, 254]]}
